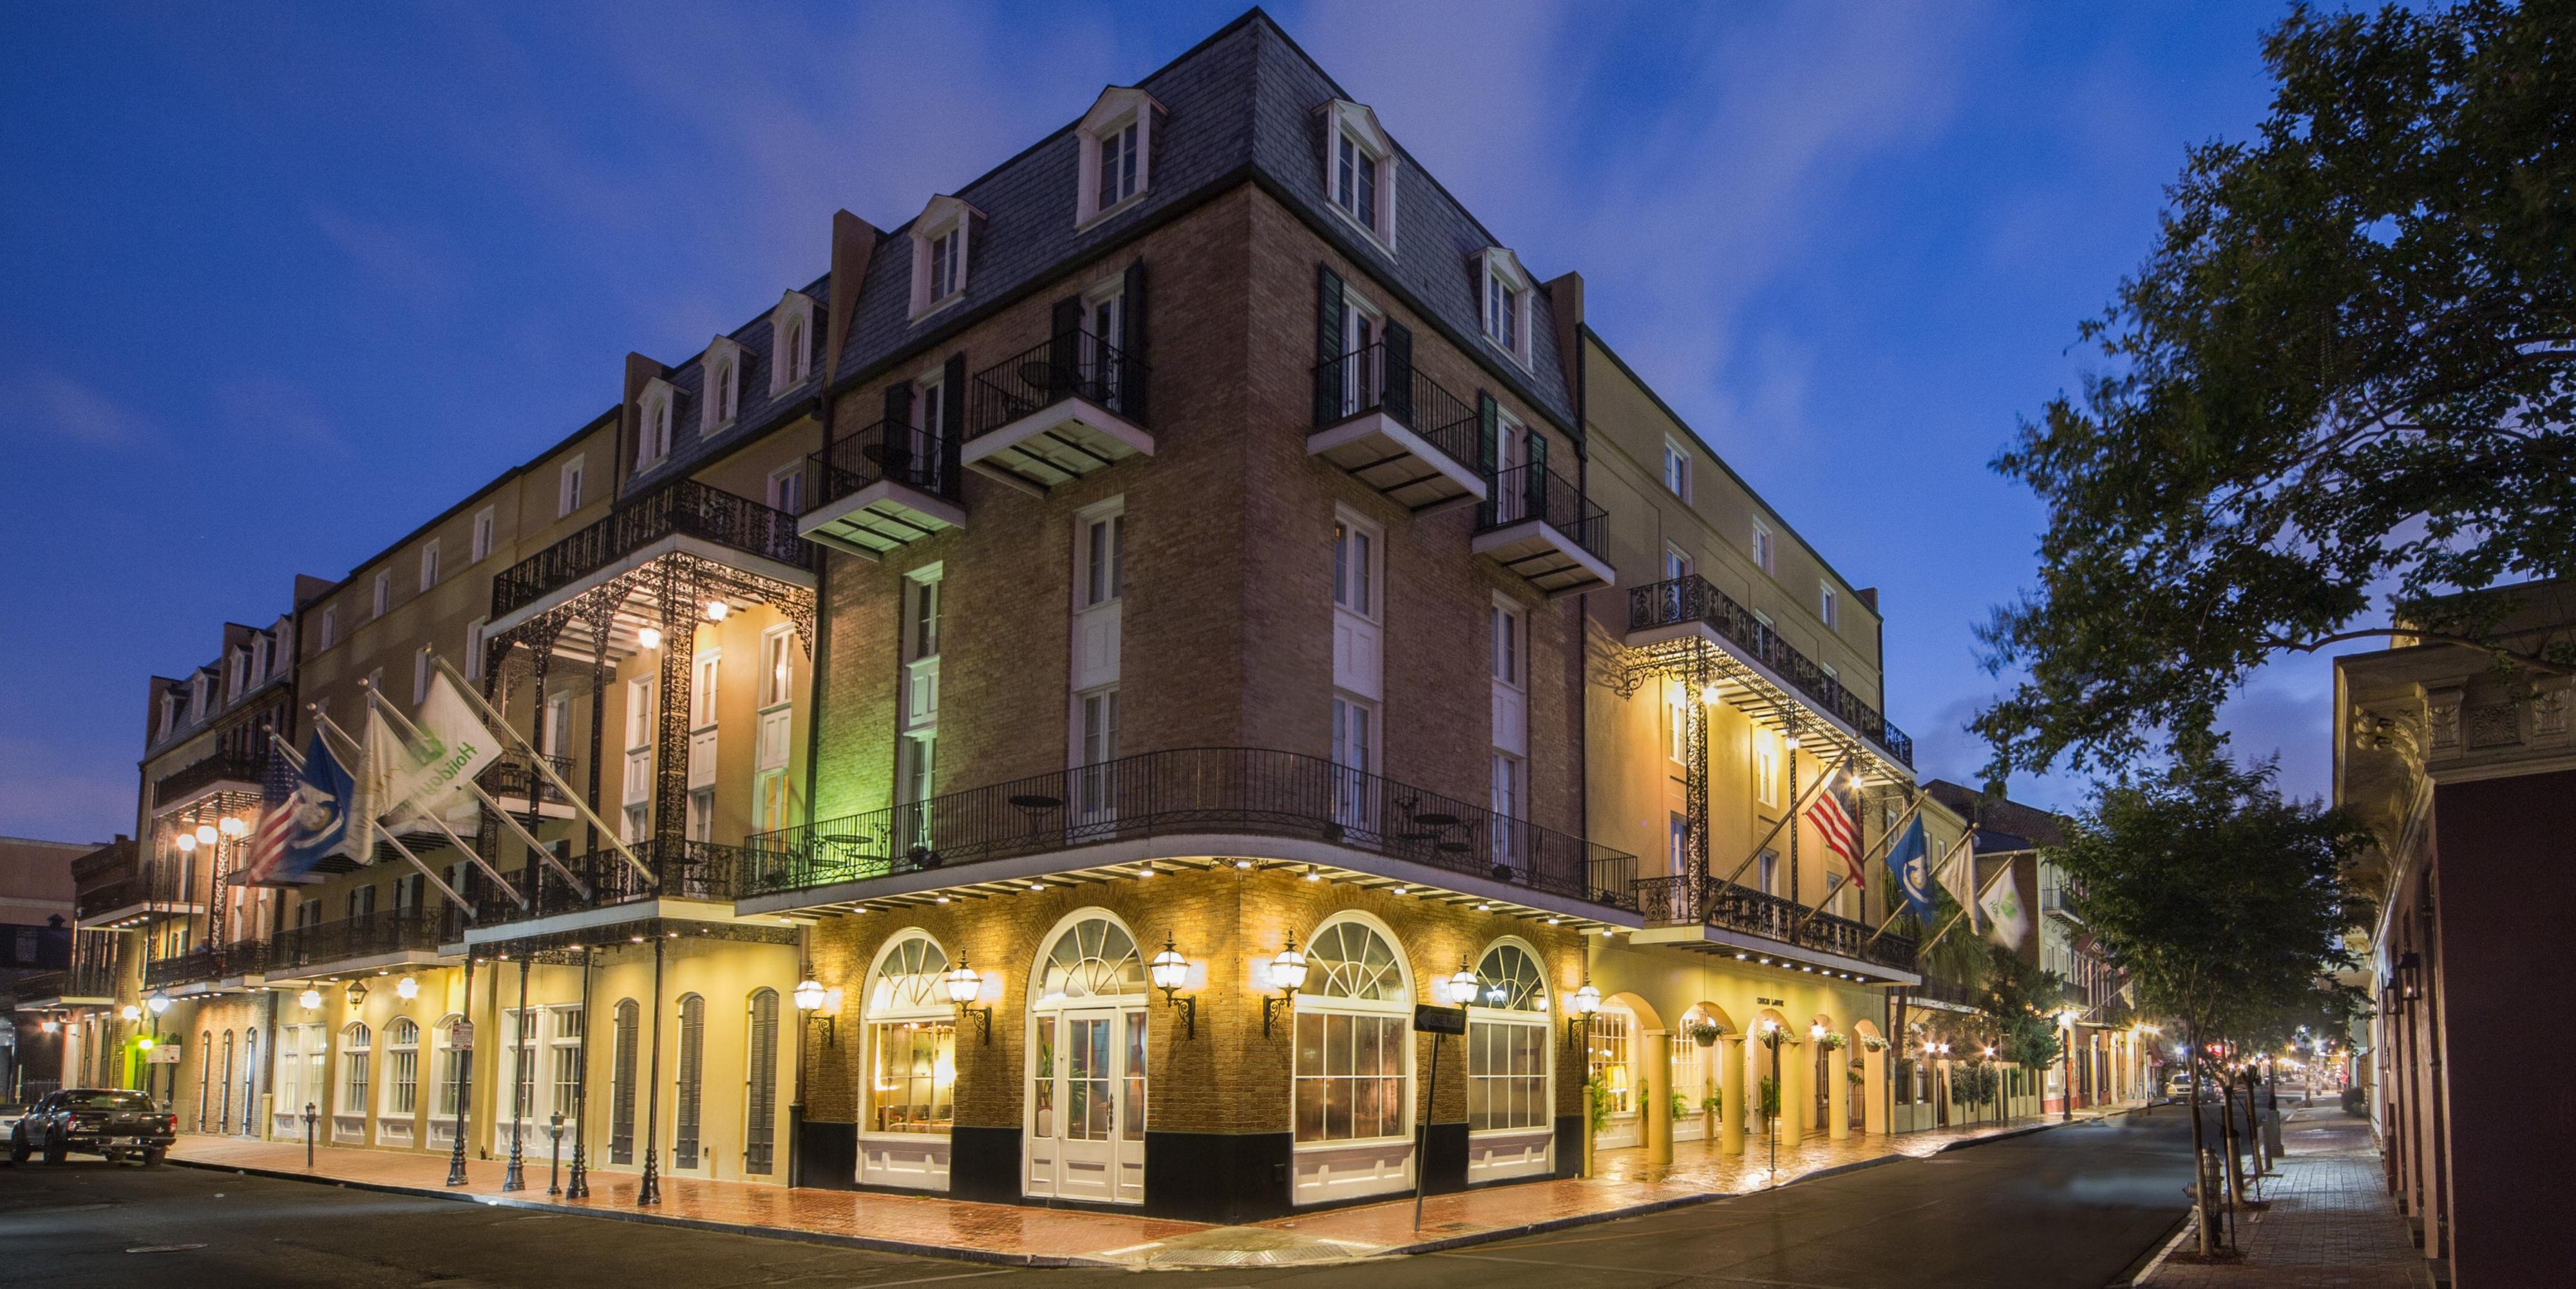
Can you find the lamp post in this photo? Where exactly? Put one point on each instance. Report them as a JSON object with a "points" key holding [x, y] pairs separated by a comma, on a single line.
{"points": [[158, 1003], [2066, 1049], [1770, 1126]]}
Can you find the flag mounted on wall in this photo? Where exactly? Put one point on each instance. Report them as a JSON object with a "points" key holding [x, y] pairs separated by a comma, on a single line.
{"points": [[2004, 908], [1841, 835], [266, 865], [1909, 861]]}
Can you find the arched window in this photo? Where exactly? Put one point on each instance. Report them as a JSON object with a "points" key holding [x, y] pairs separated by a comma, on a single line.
{"points": [[1353, 1037], [760, 1095], [250, 1081], [224, 1088], [1507, 1047], [684, 1114], [912, 1039], [621, 1096], [451, 1067], [205, 1075], [402, 1067], [1095, 958], [355, 1062]]}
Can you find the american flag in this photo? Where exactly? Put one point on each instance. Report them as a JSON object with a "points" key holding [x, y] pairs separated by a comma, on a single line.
{"points": [[276, 823], [1835, 825]]}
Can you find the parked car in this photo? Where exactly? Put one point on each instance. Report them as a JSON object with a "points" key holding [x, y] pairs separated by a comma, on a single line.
{"points": [[113, 1122], [10, 1113]]}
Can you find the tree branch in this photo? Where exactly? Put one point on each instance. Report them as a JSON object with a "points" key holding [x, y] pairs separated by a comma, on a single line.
{"points": [[2533, 661]]}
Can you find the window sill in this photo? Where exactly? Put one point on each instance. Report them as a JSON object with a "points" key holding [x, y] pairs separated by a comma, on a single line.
{"points": [[1518, 359], [934, 307], [790, 387], [1085, 223], [1366, 233]]}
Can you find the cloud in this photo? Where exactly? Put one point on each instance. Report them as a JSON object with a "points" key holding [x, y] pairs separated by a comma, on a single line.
{"points": [[58, 407], [267, 409], [414, 263]]}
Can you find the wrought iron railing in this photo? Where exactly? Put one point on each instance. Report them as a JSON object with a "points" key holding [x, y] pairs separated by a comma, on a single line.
{"points": [[1729, 906], [155, 883], [240, 767], [1373, 380], [367, 935], [1072, 364], [1192, 790], [205, 962], [1695, 599], [920, 459], [1941, 990], [1527, 492], [682, 870], [513, 776], [685, 507]]}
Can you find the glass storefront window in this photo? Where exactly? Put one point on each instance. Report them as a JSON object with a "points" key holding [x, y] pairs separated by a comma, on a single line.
{"points": [[914, 1085]]}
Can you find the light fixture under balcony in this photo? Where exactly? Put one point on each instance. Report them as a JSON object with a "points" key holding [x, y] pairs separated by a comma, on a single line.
{"points": [[407, 988], [648, 638], [717, 609], [310, 999]]}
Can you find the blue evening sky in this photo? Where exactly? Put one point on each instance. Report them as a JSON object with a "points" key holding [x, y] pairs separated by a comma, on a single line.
{"points": [[277, 285]]}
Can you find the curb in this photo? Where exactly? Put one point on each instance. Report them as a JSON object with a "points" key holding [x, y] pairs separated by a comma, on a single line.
{"points": [[2158, 1250]]}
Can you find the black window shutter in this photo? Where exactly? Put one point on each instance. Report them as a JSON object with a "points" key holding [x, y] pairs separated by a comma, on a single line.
{"points": [[1130, 378], [1064, 350], [1534, 485], [1329, 311], [1488, 426], [898, 403], [1397, 397]]}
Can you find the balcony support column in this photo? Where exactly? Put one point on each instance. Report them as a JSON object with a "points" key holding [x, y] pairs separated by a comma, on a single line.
{"points": [[1730, 1094], [579, 1186], [1657, 1094], [671, 742], [603, 617]]}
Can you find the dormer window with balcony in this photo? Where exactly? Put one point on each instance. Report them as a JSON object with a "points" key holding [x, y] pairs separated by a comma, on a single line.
{"points": [[943, 249], [1506, 292], [653, 422], [720, 403], [792, 335], [1359, 170], [1117, 141]]}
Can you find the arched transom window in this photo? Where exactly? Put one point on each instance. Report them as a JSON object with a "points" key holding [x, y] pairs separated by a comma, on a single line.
{"points": [[909, 978], [1351, 960], [1509, 979], [1093, 958]]}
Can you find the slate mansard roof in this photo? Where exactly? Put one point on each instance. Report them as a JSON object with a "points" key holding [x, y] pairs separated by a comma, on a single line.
{"points": [[1242, 106]]}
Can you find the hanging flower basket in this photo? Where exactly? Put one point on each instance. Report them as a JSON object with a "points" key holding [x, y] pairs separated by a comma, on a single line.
{"points": [[1703, 1031], [1832, 1042], [1873, 1043]]}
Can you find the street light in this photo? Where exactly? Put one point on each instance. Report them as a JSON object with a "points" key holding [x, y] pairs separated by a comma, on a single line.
{"points": [[206, 834], [159, 1002]]}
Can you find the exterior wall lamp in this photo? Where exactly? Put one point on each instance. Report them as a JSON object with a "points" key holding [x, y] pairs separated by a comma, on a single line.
{"points": [[130, 1013], [810, 997], [407, 988], [357, 992], [963, 987], [159, 1002], [1578, 1027], [310, 999], [1169, 972], [2409, 964], [1287, 975], [1462, 986]]}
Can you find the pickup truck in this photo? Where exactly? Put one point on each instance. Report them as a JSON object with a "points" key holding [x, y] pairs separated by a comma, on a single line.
{"points": [[114, 1122]]}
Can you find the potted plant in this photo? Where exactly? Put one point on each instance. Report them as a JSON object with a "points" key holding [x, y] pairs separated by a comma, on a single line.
{"points": [[1831, 1042], [1703, 1030]]}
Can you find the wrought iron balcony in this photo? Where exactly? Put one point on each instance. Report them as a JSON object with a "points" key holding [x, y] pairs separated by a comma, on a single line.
{"points": [[685, 508], [1395, 429], [687, 870], [154, 888], [1732, 907], [1056, 412], [1938, 989], [1193, 790], [1538, 524], [90, 981], [381, 934], [1693, 600], [2059, 902], [227, 766], [203, 963], [885, 486], [512, 775]]}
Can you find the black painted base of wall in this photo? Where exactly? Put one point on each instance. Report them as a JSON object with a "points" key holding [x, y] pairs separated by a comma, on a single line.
{"points": [[1224, 1178], [1569, 1145], [1444, 1158], [984, 1164], [827, 1155]]}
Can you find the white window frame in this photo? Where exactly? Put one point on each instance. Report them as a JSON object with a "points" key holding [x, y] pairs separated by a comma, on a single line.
{"points": [[791, 363], [568, 486], [330, 625], [1765, 546], [481, 542], [1766, 762], [656, 431], [474, 632], [1505, 300], [1355, 126], [944, 218], [1829, 605], [787, 489], [720, 386], [420, 672], [1113, 115], [429, 564], [1677, 470], [1313, 1002], [400, 1084], [380, 596], [1678, 563]]}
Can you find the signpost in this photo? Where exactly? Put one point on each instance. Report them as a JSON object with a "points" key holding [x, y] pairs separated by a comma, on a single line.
{"points": [[1439, 1023]]}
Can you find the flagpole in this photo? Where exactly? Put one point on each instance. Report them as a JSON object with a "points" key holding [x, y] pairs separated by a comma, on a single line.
{"points": [[1795, 809], [1867, 854], [1899, 911], [1972, 904], [537, 760], [390, 839], [328, 726], [403, 726]]}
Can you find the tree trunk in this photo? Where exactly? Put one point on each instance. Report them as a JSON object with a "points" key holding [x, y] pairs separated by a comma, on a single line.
{"points": [[2199, 1171], [2235, 1164]]}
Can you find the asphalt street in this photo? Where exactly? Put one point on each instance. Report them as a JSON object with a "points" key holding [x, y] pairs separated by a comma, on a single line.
{"points": [[2072, 1206]]}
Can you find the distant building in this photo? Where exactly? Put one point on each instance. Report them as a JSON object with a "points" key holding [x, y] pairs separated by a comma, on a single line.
{"points": [[35, 947]]}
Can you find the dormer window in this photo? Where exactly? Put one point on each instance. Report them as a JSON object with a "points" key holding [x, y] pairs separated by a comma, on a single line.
{"points": [[1359, 169], [259, 651], [721, 402], [942, 249], [197, 699], [169, 715], [791, 342], [1117, 141], [1507, 293], [384, 594], [653, 423], [429, 564], [237, 676]]}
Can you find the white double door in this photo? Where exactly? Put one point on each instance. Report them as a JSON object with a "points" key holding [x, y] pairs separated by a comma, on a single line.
{"points": [[1086, 1129]]}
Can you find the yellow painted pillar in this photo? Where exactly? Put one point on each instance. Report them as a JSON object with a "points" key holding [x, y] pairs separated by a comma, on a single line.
{"points": [[1730, 1095], [1791, 1060], [1838, 1095], [1656, 1088], [1873, 1073]]}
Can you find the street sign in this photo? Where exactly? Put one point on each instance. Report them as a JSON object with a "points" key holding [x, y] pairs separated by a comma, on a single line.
{"points": [[162, 1054], [1439, 1020], [461, 1035]]}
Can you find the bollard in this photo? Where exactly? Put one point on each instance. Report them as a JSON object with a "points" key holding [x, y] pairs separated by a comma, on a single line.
{"points": [[308, 1136], [554, 1169]]}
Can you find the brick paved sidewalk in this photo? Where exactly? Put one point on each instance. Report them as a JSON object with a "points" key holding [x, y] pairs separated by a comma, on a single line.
{"points": [[1011, 1233], [2331, 1222]]}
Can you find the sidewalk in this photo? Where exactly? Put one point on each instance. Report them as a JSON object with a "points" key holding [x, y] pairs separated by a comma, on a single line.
{"points": [[2330, 1223], [1626, 1185]]}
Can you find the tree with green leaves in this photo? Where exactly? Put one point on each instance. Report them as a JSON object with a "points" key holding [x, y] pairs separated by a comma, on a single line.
{"points": [[2338, 389], [2222, 901]]}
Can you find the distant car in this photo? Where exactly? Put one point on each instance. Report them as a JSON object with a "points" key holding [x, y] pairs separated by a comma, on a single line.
{"points": [[113, 1122], [10, 1113]]}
